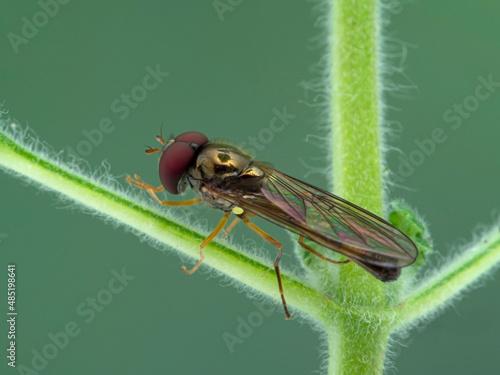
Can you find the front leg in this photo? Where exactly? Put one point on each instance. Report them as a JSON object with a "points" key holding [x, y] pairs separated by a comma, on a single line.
{"points": [[153, 190]]}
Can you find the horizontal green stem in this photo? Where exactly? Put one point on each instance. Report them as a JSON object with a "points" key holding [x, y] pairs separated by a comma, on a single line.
{"points": [[453, 279], [109, 202]]}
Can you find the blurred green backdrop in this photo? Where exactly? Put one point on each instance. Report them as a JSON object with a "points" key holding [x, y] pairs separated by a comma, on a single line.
{"points": [[228, 69]]}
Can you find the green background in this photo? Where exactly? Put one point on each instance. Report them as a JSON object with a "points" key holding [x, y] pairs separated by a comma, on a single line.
{"points": [[227, 74]]}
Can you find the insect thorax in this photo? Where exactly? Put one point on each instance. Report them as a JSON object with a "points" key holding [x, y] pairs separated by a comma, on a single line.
{"points": [[221, 170]]}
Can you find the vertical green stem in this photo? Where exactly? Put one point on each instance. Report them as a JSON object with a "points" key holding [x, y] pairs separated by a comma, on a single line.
{"points": [[358, 354], [359, 341], [355, 103]]}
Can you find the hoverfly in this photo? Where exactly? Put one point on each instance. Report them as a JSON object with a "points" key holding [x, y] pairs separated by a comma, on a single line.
{"points": [[228, 179]]}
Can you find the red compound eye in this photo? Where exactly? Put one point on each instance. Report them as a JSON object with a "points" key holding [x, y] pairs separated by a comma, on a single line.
{"points": [[177, 158], [192, 137]]}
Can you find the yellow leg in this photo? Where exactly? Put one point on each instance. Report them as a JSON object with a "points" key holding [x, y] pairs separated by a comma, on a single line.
{"points": [[276, 262], [153, 190], [321, 256], [231, 226], [212, 235]]}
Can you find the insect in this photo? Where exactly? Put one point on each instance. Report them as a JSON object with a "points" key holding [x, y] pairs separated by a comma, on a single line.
{"points": [[228, 179]]}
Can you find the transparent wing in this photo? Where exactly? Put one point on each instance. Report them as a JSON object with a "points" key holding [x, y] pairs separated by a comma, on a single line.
{"points": [[327, 220]]}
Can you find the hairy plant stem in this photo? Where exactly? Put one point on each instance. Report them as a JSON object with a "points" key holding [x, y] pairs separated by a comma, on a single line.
{"points": [[359, 341]]}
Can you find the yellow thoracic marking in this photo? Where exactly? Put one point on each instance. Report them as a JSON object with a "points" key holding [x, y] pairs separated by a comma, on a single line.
{"points": [[237, 210]]}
